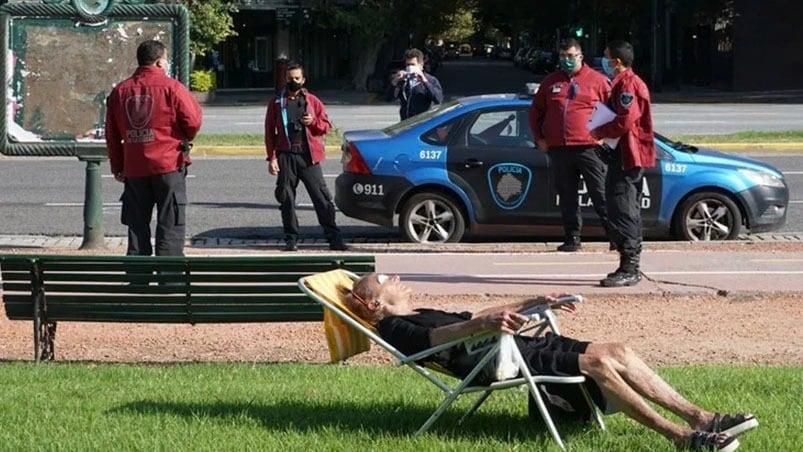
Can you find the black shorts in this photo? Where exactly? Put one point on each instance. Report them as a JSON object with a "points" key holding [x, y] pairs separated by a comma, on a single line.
{"points": [[560, 356], [552, 354]]}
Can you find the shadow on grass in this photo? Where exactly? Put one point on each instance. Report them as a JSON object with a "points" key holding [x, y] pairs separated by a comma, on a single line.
{"points": [[381, 418]]}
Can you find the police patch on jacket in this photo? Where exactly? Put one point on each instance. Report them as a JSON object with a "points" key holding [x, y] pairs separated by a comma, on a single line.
{"points": [[626, 99]]}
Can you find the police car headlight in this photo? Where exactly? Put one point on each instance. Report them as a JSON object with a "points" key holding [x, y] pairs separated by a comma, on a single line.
{"points": [[762, 178]]}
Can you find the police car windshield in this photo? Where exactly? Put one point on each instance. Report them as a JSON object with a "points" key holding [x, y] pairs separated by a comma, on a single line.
{"points": [[413, 121], [676, 145]]}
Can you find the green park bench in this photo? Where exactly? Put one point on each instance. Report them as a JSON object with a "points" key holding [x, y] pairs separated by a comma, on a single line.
{"points": [[147, 289]]}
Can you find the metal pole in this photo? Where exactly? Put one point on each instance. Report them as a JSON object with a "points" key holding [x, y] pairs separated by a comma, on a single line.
{"points": [[93, 206]]}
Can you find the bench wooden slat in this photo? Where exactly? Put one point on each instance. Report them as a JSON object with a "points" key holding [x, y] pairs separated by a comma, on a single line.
{"points": [[116, 289], [148, 317], [224, 278], [143, 289]]}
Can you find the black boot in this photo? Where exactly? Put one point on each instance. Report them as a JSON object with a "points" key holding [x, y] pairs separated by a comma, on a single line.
{"points": [[572, 243], [619, 269], [630, 275], [290, 244]]}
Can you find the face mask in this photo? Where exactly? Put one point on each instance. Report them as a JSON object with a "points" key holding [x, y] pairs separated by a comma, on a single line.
{"points": [[606, 67], [294, 86], [568, 64]]}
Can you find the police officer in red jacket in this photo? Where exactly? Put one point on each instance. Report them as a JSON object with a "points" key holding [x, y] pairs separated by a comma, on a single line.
{"points": [[150, 118], [295, 126], [630, 99], [559, 119]]}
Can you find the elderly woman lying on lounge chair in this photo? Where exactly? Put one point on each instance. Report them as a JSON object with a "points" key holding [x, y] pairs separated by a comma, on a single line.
{"points": [[613, 369]]}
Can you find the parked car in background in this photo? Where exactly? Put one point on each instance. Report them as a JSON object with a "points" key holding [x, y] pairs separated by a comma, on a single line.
{"points": [[471, 166], [504, 53], [542, 61], [451, 51], [465, 50], [518, 58]]}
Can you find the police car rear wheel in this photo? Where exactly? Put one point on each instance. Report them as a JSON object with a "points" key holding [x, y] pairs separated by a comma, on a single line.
{"points": [[708, 216], [431, 218]]}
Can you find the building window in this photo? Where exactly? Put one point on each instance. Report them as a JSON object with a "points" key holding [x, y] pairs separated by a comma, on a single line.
{"points": [[263, 48]]}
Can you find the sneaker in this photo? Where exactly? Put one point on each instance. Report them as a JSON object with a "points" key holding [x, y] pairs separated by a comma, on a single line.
{"points": [[732, 424], [720, 442], [338, 245], [290, 245]]}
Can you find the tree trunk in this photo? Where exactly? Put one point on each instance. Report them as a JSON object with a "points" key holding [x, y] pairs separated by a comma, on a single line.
{"points": [[365, 64]]}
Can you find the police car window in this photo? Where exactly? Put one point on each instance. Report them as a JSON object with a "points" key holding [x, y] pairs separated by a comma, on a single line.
{"points": [[413, 121], [506, 128], [440, 135]]}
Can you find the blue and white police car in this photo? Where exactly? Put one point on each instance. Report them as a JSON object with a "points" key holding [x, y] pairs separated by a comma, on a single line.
{"points": [[471, 166]]}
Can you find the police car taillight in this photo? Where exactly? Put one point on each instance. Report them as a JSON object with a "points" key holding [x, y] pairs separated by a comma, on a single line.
{"points": [[353, 161]]}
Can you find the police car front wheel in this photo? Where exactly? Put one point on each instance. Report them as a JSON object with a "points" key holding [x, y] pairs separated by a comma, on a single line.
{"points": [[708, 216]]}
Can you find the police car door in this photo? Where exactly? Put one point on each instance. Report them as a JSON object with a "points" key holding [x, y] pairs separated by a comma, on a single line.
{"points": [[494, 160]]}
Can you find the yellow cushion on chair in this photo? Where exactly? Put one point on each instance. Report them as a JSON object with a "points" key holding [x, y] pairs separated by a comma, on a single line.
{"points": [[344, 341]]}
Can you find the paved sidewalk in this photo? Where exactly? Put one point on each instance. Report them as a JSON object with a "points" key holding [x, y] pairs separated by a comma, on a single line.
{"points": [[671, 268]]}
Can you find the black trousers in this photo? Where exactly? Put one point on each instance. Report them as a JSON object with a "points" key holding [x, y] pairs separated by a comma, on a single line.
{"points": [[168, 192], [623, 189], [568, 163], [295, 167]]}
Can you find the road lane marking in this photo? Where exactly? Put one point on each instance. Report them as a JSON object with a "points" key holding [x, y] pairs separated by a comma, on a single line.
{"points": [[109, 176], [776, 260], [80, 204], [550, 264]]}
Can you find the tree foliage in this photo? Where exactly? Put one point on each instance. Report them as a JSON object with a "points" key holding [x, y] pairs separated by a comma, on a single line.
{"points": [[373, 23], [211, 23]]}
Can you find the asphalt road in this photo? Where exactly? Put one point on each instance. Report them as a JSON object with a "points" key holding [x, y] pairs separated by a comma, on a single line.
{"points": [[233, 197], [229, 198], [468, 77]]}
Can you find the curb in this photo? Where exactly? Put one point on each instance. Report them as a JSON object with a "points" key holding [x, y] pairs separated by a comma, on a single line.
{"points": [[251, 151]]}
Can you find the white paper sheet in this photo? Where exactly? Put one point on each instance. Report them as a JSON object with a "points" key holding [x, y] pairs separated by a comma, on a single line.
{"points": [[603, 115]]}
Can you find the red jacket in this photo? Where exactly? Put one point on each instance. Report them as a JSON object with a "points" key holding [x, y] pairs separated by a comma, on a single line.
{"points": [[630, 99], [147, 118], [559, 113], [276, 132]]}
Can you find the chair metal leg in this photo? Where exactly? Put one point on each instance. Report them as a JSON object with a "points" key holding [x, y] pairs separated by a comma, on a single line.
{"points": [[593, 407], [545, 413], [475, 406], [539, 401], [441, 408]]}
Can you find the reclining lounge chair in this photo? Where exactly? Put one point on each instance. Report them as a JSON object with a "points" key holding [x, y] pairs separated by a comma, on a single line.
{"points": [[348, 335]]}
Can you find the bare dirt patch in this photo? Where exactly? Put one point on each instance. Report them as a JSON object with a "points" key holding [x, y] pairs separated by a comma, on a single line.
{"points": [[680, 329]]}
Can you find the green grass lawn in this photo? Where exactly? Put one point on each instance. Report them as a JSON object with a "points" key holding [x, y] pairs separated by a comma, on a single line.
{"points": [[745, 137], [290, 407], [333, 138]]}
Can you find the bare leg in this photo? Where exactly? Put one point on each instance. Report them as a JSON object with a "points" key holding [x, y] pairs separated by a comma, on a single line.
{"points": [[641, 378], [603, 369]]}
